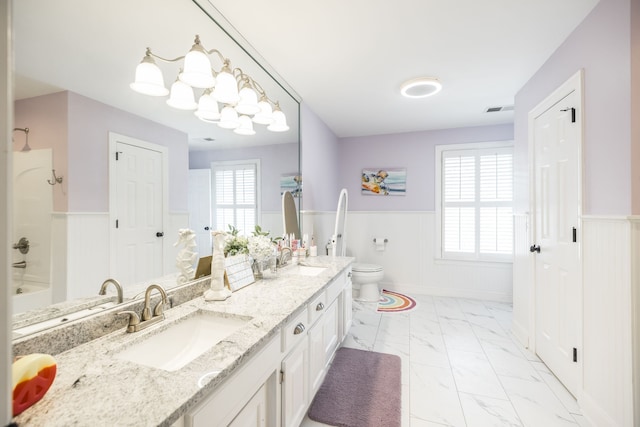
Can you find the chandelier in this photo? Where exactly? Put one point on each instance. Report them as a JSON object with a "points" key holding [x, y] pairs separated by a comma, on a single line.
{"points": [[230, 98]]}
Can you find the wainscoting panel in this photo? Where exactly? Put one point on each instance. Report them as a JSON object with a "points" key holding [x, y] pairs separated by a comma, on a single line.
{"points": [[607, 394], [87, 253], [81, 251], [408, 257]]}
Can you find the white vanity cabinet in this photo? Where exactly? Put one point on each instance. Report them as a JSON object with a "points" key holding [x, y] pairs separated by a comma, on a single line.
{"points": [[248, 398], [276, 387], [305, 366]]}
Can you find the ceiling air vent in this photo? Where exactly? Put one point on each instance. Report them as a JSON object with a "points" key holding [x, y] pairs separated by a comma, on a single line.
{"points": [[496, 109]]}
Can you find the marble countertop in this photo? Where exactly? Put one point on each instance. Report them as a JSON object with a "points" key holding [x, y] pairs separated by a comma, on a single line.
{"points": [[93, 387]]}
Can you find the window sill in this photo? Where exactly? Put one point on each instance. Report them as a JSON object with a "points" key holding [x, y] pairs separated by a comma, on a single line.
{"points": [[474, 262]]}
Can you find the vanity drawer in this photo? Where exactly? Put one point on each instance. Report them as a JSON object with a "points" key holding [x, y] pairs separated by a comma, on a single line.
{"points": [[334, 289], [317, 307], [294, 331]]}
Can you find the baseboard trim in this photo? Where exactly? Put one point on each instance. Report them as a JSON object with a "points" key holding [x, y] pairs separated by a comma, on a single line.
{"points": [[448, 292], [520, 332], [593, 413]]}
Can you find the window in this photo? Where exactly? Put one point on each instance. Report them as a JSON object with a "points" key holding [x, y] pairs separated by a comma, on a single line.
{"points": [[235, 195], [475, 201]]}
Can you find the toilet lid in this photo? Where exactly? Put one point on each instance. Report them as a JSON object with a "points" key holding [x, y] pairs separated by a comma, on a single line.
{"points": [[366, 268]]}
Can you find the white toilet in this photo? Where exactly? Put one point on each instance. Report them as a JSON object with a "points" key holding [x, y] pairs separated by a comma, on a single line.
{"points": [[365, 279]]}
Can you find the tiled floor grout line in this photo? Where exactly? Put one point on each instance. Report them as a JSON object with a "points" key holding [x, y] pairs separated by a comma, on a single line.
{"points": [[484, 351]]}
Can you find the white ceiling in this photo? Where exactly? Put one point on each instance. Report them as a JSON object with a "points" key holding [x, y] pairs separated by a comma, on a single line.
{"points": [[347, 59]]}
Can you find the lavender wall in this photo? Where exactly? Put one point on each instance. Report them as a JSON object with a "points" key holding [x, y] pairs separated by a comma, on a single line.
{"points": [[635, 105], [46, 118], [600, 46], [89, 125], [275, 160], [414, 151], [320, 163]]}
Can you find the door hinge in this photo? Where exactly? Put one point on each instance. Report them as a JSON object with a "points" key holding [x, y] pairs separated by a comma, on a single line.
{"points": [[117, 223], [575, 235], [575, 354], [281, 377], [573, 113]]}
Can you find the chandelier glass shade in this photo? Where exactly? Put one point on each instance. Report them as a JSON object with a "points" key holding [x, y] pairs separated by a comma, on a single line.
{"points": [[228, 97], [279, 121]]}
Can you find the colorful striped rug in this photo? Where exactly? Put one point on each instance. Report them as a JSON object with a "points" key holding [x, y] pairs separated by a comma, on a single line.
{"points": [[393, 302]]}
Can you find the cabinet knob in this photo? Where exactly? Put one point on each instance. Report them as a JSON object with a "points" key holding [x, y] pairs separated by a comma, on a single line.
{"points": [[298, 329], [320, 306]]}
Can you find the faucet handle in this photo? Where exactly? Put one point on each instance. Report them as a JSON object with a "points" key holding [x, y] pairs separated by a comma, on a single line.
{"points": [[158, 309], [134, 319]]}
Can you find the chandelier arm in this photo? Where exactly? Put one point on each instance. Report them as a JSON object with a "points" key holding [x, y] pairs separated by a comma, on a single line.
{"points": [[149, 53], [216, 51]]}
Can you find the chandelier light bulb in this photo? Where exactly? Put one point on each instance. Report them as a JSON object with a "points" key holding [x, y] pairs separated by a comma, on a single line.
{"points": [[265, 115], [228, 118], [248, 103], [226, 89], [207, 108], [181, 96], [279, 121], [245, 126], [149, 80], [197, 67]]}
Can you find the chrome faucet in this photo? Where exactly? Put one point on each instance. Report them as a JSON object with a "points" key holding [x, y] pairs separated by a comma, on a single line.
{"points": [[103, 288], [283, 260], [138, 323]]}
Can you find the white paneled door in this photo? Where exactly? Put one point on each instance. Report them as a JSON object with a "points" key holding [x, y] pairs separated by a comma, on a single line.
{"points": [[200, 208], [139, 213], [556, 249]]}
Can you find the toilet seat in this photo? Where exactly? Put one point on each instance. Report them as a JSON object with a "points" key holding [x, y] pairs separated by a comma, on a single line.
{"points": [[366, 268]]}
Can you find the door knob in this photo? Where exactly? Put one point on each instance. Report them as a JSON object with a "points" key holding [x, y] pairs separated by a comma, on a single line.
{"points": [[534, 248], [159, 234], [207, 228]]}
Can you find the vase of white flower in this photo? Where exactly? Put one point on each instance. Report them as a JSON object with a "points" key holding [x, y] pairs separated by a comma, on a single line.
{"points": [[260, 249]]}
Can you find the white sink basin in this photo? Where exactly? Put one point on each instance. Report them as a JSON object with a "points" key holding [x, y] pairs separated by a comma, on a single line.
{"points": [[307, 270], [183, 341]]}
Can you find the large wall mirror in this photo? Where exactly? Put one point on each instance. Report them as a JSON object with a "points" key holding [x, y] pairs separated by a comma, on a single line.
{"points": [[74, 62]]}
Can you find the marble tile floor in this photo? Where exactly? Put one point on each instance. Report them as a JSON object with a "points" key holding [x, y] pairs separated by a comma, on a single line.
{"points": [[462, 367]]}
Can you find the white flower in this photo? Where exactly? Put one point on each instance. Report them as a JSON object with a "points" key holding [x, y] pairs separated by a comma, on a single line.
{"points": [[260, 247]]}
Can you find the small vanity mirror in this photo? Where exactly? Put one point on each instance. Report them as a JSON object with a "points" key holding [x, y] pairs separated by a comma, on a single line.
{"points": [[290, 215], [74, 63], [339, 238]]}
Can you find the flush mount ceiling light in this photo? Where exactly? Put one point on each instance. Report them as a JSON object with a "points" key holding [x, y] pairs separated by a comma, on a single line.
{"points": [[420, 87], [237, 92]]}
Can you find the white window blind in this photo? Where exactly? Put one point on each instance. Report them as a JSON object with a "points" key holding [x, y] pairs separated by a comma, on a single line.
{"points": [[476, 203], [235, 196]]}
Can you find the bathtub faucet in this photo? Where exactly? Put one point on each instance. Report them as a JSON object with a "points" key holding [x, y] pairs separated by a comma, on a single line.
{"points": [[21, 264]]}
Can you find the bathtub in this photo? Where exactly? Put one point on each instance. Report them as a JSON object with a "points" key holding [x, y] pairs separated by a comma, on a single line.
{"points": [[30, 295]]}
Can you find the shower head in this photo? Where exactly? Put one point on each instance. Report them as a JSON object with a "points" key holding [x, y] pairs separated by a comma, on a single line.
{"points": [[26, 132]]}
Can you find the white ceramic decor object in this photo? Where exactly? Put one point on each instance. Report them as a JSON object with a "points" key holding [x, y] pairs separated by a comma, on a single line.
{"points": [[217, 292], [187, 255]]}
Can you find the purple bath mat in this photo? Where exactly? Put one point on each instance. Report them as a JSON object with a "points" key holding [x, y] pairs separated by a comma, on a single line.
{"points": [[361, 389]]}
